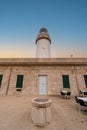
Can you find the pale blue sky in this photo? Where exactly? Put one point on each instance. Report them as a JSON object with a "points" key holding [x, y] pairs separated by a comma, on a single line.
{"points": [[20, 21]]}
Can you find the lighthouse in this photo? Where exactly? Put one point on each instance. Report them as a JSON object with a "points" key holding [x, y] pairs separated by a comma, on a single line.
{"points": [[43, 43]]}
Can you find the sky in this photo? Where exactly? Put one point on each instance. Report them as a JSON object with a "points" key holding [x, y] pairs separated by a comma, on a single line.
{"points": [[21, 20]]}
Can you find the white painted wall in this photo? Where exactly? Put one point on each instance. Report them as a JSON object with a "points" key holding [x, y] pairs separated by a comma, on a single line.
{"points": [[43, 49]]}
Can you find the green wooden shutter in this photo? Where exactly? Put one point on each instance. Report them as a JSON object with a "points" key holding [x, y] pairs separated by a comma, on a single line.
{"points": [[85, 78], [19, 83], [1, 76], [66, 83]]}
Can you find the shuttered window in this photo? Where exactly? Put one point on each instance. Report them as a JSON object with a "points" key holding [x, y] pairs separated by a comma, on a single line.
{"points": [[66, 83], [19, 83], [85, 78], [1, 76]]}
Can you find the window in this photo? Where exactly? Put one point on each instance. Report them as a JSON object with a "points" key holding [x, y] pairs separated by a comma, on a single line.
{"points": [[66, 83], [1, 76], [19, 83], [85, 78]]}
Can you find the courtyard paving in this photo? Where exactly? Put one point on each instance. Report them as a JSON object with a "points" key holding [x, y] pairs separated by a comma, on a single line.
{"points": [[15, 114]]}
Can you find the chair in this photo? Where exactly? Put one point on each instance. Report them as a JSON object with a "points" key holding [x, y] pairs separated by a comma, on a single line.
{"points": [[85, 93], [76, 99], [63, 94], [81, 93], [68, 94]]}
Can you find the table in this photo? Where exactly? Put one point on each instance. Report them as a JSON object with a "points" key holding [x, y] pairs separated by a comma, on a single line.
{"points": [[84, 92], [82, 103], [65, 93], [82, 98]]}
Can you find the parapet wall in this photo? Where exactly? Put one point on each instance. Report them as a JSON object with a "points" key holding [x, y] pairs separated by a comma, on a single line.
{"points": [[41, 61]]}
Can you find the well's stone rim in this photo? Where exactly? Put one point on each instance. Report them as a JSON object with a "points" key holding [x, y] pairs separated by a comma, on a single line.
{"points": [[39, 103]]}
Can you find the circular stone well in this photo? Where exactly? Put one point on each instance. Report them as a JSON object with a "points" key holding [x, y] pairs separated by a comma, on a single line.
{"points": [[41, 111]]}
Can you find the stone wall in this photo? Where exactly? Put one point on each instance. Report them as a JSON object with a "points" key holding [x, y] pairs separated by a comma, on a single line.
{"points": [[31, 72]]}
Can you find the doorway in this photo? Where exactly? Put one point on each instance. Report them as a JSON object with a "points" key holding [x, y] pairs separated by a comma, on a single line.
{"points": [[42, 82]]}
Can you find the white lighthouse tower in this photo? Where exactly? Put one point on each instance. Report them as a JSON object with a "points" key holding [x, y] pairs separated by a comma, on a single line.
{"points": [[43, 42]]}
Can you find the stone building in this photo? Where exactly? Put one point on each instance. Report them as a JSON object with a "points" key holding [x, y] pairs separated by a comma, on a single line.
{"points": [[42, 75]]}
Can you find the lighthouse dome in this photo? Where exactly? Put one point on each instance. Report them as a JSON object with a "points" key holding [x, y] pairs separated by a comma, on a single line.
{"points": [[43, 30], [43, 34]]}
